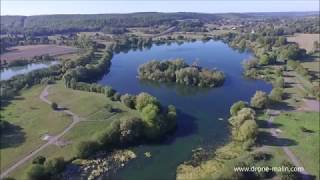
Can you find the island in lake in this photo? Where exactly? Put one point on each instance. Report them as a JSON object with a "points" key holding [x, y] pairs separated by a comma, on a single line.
{"points": [[180, 72]]}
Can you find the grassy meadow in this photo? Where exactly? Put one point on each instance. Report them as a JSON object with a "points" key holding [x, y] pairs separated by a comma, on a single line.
{"points": [[89, 106]]}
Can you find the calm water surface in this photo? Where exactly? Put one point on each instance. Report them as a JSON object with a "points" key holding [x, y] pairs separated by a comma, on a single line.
{"points": [[8, 73], [199, 109]]}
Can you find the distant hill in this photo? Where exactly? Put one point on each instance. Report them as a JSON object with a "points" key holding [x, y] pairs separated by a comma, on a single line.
{"points": [[50, 24]]}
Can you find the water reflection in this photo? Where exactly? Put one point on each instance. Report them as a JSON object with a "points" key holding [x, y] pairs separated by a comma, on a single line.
{"points": [[8, 73]]}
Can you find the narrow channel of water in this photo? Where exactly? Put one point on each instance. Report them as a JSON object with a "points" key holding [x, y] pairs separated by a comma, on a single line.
{"points": [[8, 73], [200, 110]]}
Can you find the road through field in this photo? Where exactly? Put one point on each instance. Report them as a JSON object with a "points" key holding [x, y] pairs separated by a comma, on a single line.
{"points": [[75, 120]]}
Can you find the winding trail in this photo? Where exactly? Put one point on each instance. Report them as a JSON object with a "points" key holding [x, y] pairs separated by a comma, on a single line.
{"points": [[288, 152], [75, 120]]}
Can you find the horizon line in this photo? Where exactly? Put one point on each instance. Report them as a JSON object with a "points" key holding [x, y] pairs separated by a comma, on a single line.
{"points": [[120, 13]]}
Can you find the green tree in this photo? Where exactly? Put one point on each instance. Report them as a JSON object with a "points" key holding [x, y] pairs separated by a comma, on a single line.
{"points": [[237, 107], [276, 94], [243, 115], [130, 130], [259, 100], [39, 160], [55, 166], [267, 59], [37, 172], [144, 99], [150, 112], [247, 131], [278, 82], [170, 121]]}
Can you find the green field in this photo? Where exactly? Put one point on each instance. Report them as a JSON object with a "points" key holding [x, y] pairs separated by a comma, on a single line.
{"points": [[89, 106], [32, 118], [302, 127]]}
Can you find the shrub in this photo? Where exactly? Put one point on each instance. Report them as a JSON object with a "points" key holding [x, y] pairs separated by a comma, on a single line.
{"points": [[288, 175], [316, 91], [170, 120], [39, 160], [172, 112], [259, 100], [54, 106]]}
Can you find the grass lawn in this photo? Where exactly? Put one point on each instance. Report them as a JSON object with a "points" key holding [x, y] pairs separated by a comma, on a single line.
{"points": [[91, 109], [31, 118], [90, 106], [303, 127]]}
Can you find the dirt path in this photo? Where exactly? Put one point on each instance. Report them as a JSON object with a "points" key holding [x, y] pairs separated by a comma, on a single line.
{"points": [[75, 120], [288, 152], [168, 31]]}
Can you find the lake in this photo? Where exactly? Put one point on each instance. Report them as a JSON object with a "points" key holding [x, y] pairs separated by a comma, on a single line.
{"points": [[8, 73], [200, 110]]}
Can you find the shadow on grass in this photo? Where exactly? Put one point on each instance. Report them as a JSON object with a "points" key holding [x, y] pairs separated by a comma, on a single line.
{"points": [[11, 135], [265, 125], [267, 139], [282, 106]]}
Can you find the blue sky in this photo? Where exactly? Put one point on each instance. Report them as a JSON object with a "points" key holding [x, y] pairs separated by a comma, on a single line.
{"points": [[36, 7]]}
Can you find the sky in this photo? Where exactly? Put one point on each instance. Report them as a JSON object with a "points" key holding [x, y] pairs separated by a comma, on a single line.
{"points": [[39, 7]]}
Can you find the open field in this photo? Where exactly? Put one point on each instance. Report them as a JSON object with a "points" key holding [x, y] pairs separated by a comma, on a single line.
{"points": [[302, 128], [89, 106], [93, 115], [305, 41], [29, 51], [31, 119]]}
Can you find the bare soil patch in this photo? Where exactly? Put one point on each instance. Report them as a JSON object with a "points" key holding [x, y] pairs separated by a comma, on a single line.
{"points": [[20, 52], [305, 41], [310, 105]]}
